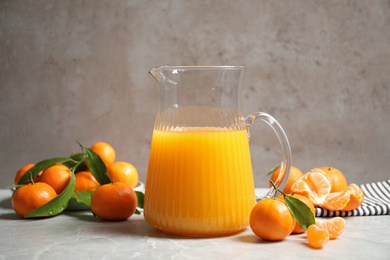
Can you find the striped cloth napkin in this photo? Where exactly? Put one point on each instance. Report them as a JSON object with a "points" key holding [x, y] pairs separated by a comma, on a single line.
{"points": [[376, 202]]}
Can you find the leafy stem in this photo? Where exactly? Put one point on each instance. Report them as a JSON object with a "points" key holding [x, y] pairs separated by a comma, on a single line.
{"points": [[96, 165], [299, 210], [273, 170]]}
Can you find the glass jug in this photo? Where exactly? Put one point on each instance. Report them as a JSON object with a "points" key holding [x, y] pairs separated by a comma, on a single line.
{"points": [[199, 179]]}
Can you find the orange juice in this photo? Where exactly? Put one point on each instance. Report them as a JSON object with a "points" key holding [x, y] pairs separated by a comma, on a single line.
{"points": [[199, 181]]}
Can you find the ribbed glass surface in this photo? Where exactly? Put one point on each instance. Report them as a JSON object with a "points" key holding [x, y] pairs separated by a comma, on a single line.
{"points": [[199, 180]]}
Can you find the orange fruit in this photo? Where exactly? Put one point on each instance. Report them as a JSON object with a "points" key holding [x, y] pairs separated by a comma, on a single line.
{"points": [[348, 199], [297, 229], [337, 178], [114, 201], [270, 219], [22, 171], [105, 152], [335, 226], [294, 175], [86, 182], [123, 172], [31, 196], [317, 237], [58, 176], [315, 185]]}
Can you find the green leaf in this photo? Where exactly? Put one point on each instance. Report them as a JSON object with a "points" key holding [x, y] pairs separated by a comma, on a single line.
{"points": [[83, 197], [40, 166], [77, 157], [56, 205], [300, 211], [97, 167], [140, 197], [79, 160], [273, 170]]}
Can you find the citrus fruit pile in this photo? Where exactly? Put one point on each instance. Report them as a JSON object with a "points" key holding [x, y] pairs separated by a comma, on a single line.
{"points": [[327, 187], [294, 211], [92, 177]]}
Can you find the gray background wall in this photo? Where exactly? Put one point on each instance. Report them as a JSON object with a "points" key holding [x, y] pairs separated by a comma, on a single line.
{"points": [[78, 70]]}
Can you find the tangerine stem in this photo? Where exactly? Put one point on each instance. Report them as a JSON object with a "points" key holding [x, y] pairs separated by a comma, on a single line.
{"points": [[277, 189], [31, 178], [76, 165]]}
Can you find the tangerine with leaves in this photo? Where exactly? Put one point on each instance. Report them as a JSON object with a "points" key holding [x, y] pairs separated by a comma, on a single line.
{"points": [[337, 178], [86, 182], [114, 201], [22, 171], [297, 229], [57, 176], [105, 152], [123, 172], [31, 196], [270, 219], [294, 175]]}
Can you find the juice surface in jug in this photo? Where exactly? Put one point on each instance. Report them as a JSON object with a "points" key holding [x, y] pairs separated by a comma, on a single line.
{"points": [[199, 181]]}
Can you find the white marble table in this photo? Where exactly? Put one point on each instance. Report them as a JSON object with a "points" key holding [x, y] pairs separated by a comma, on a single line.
{"points": [[78, 235]]}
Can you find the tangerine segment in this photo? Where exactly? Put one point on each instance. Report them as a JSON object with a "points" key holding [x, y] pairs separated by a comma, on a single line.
{"points": [[356, 198], [317, 237], [348, 199], [315, 185], [335, 226]]}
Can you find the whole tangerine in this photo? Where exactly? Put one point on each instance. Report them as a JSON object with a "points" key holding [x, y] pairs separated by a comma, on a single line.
{"points": [[105, 151], [338, 180], [123, 172], [270, 219], [294, 175], [58, 176], [114, 201], [85, 181], [31, 196], [22, 171]]}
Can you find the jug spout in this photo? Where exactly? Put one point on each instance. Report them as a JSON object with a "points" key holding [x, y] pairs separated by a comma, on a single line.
{"points": [[156, 72]]}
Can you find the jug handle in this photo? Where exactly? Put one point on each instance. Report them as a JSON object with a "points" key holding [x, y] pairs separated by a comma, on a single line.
{"points": [[285, 164]]}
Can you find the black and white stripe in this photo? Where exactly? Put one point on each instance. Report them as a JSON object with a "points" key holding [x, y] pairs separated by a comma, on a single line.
{"points": [[376, 202]]}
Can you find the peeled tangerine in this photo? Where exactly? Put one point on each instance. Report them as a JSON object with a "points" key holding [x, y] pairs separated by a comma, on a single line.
{"points": [[315, 185], [346, 200]]}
